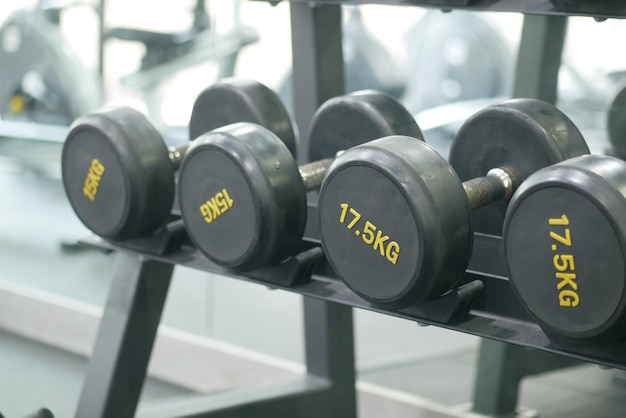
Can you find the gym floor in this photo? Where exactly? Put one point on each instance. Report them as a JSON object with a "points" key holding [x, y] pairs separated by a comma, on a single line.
{"points": [[34, 375], [430, 371]]}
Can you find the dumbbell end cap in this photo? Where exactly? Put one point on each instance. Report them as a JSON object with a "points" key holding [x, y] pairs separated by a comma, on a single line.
{"points": [[117, 174], [381, 222], [565, 242], [241, 197]]}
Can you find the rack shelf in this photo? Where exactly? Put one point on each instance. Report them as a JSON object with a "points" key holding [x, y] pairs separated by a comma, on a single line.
{"points": [[484, 303], [593, 8]]}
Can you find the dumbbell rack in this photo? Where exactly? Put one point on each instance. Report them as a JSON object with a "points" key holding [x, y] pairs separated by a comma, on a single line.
{"points": [[483, 305]]}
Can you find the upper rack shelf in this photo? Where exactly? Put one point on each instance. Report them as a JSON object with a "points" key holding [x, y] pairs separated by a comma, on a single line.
{"points": [[595, 8]]}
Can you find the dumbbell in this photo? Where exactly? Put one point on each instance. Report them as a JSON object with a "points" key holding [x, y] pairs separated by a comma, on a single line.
{"points": [[118, 173], [41, 413], [565, 247], [242, 196], [394, 216], [616, 122]]}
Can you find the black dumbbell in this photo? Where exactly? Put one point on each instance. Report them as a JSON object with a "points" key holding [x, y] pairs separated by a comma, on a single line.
{"points": [[565, 247], [242, 196], [118, 173], [42, 413], [616, 123], [231, 101], [395, 218]]}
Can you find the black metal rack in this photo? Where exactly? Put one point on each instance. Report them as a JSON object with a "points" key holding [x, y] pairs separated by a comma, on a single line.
{"points": [[484, 304]]}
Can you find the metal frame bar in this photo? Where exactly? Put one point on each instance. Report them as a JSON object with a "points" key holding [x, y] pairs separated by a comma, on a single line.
{"points": [[539, 57], [306, 398], [500, 370], [317, 63], [317, 55], [117, 367], [101, 11], [329, 351]]}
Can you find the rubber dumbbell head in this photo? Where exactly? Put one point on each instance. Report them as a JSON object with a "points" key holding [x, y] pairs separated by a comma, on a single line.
{"points": [[118, 173], [242, 196], [565, 247], [396, 219]]}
